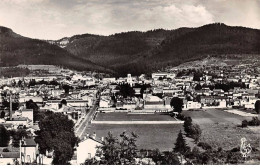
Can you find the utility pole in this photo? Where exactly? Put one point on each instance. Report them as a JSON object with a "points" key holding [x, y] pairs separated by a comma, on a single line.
{"points": [[11, 108], [20, 145]]}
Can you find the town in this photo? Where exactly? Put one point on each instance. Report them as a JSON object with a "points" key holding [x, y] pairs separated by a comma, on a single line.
{"points": [[222, 101]]}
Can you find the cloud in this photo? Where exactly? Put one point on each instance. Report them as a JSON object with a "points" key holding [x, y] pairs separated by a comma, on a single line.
{"points": [[53, 19]]}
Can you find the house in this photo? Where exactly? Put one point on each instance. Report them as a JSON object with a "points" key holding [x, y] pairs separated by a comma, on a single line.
{"points": [[36, 99], [18, 121], [29, 151], [157, 75], [57, 92], [109, 80], [105, 102], [154, 102], [28, 113], [87, 149], [7, 158], [137, 91], [192, 105], [220, 101]]}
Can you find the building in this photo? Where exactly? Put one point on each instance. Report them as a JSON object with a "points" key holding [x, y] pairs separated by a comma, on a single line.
{"points": [[9, 158], [28, 113], [87, 149], [29, 151]]}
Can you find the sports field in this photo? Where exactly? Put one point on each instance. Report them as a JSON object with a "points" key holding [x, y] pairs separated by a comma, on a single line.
{"points": [[133, 117], [150, 136]]}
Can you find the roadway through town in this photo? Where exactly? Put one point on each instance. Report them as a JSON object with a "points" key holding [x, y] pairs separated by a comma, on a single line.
{"points": [[87, 120]]}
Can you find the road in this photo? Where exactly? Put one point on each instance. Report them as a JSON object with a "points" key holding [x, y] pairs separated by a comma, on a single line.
{"points": [[87, 120]]}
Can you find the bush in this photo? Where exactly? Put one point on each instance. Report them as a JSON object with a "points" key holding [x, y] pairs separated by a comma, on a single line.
{"points": [[254, 122], [244, 123], [236, 149], [180, 117], [234, 158], [195, 132], [204, 145], [6, 150]]}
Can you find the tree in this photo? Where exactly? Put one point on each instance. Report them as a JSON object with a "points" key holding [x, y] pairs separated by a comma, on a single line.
{"points": [[32, 82], [177, 104], [2, 115], [17, 135], [20, 83], [119, 151], [128, 148], [244, 123], [187, 125], [36, 114], [254, 122], [170, 158], [57, 134], [157, 157], [66, 88], [180, 145], [4, 136], [126, 90], [31, 105], [195, 132], [15, 104], [63, 101], [257, 106], [197, 76], [198, 87], [192, 130], [110, 150]]}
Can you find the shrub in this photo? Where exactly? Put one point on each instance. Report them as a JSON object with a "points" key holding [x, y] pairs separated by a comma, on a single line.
{"points": [[254, 122], [204, 145], [195, 132], [180, 117], [257, 106], [236, 149], [234, 158], [6, 150], [244, 123]]}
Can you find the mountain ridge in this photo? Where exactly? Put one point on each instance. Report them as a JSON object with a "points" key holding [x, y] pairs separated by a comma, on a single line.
{"points": [[139, 52]]}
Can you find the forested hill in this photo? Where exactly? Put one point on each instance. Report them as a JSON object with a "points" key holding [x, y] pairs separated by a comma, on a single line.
{"points": [[142, 52], [16, 49], [130, 52]]}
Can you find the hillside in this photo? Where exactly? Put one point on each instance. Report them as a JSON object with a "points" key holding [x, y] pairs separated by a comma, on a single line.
{"points": [[130, 52], [16, 49], [143, 52], [113, 49]]}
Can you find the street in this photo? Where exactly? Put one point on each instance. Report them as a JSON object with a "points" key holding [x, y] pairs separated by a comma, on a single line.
{"points": [[86, 120]]}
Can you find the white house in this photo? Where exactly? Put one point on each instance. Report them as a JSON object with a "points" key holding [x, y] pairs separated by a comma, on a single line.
{"points": [[29, 150], [87, 149], [105, 103], [9, 158], [28, 113]]}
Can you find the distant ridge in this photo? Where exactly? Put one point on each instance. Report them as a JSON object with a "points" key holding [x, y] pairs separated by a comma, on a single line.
{"points": [[131, 52], [16, 49]]}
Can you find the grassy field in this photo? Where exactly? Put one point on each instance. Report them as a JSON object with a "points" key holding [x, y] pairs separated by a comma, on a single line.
{"points": [[150, 136], [133, 117], [220, 128]]}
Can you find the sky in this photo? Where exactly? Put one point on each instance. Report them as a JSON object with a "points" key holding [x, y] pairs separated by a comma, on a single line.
{"points": [[54, 19]]}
